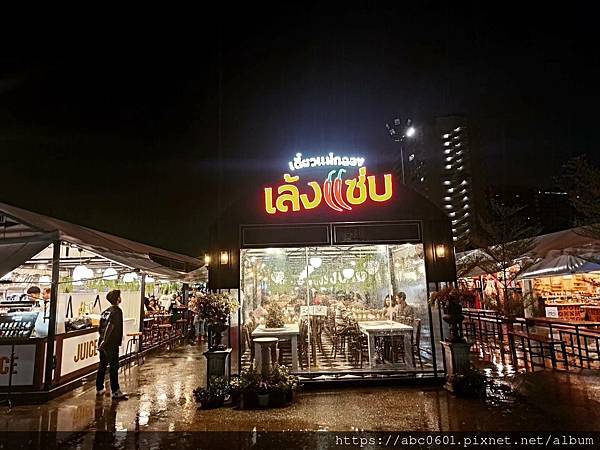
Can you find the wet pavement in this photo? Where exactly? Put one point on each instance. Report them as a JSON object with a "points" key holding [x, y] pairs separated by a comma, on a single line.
{"points": [[161, 400]]}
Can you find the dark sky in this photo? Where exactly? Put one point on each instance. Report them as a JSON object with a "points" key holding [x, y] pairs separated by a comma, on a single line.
{"points": [[122, 130]]}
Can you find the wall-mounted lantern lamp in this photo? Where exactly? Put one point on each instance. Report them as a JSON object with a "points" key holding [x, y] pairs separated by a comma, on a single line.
{"points": [[440, 251], [207, 259], [224, 257]]}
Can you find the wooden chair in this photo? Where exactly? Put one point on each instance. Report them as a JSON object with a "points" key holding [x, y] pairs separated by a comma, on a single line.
{"points": [[397, 350], [303, 344], [416, 342]]}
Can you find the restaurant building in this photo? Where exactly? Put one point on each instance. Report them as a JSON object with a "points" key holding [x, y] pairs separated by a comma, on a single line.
{"points": [[313, 252]]}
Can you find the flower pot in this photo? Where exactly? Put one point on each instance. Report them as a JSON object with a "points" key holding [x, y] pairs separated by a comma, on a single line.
{"points": [[212, 403], [248, 400], [289, 395], [235, 398], [277, 398], [263, 400], [453, 316]]}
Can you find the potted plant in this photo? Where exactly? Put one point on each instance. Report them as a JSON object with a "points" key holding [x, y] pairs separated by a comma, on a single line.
{"points": [[214, 395], [263, 389], [275, 317], [451, 300], [284, 385], [215, 309], [235, 390], [470, 384], [248, 381]]}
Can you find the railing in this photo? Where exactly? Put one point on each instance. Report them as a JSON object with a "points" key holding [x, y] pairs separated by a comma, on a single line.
{"points": [[531, 342]]}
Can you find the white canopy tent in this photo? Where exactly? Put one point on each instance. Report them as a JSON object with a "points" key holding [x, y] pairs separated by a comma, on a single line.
{"points": [[23, 234]]}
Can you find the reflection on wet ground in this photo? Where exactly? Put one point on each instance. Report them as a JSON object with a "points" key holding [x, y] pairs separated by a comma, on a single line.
{"points": [[161, 400]]}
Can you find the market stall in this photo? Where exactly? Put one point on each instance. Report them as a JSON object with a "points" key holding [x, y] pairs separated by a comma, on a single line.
{"points": [[53, 290], [569, 286]]}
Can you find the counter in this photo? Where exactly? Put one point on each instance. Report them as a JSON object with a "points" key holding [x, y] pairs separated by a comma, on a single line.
{"points": [[77, 351], [567, 310], [76, 355], [27, 367], [592, 312]]}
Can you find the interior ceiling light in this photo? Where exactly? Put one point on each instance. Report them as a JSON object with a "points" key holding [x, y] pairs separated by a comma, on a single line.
{"points": [[110, 274], [130, 277], [81, 272], [45, 279], [315, 262]]}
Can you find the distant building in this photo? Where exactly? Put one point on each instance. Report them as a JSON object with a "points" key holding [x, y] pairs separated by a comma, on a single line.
{"points": [[458, 190]]}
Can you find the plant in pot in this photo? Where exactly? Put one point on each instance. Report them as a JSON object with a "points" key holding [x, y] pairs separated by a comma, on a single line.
{"points": [[451, 300], [470, 383], [263, 391], [214, 395], [235, 390], [215, 309], [248, 381], [275, 318], [284, 385]]}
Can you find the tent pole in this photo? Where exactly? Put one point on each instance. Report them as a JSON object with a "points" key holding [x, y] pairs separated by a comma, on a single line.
{"points": [[50, 358]]}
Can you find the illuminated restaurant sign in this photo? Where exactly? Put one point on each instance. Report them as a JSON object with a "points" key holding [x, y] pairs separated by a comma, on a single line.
{"points": [[335, 192], [328, 160]]}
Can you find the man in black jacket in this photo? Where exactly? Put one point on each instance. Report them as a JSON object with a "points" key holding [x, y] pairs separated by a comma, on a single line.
{"points": [[111, 335]]}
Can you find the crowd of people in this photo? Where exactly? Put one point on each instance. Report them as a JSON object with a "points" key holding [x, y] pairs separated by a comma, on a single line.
{"points": [[395, 307]]}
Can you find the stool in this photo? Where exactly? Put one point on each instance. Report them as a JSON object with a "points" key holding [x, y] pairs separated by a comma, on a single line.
{"points": [[135, 338], [264, 353], [166, 330], [180, 326]]}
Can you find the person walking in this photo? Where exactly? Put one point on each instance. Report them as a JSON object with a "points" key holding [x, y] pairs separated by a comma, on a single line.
{"points": [[111, 335]]}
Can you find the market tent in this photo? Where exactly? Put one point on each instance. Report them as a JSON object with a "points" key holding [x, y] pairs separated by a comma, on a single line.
{"points": [[574, 239], [13, 254], [19, 225], [559, 266], [197, 276]]}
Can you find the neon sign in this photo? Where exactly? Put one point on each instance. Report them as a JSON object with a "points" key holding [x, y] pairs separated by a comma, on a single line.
{"points": [[338, 194], [328, 160]]}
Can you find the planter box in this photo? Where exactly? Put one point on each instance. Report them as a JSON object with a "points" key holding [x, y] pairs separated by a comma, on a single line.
{"points": [[248, 401], [263, 399], [212, 403]]}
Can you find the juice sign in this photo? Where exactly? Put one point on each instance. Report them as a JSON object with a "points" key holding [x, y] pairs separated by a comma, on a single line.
{"points": [[337, 192]]}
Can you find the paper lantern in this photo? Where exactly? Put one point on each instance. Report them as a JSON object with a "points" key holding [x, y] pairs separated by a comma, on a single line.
{"points": [[110, 274], [348, 273], [315, 262]]}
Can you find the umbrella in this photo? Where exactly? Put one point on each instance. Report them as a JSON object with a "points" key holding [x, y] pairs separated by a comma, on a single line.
{"points": [[558, 266]]}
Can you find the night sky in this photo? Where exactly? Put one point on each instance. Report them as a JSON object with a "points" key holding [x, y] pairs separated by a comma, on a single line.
{"points": [[124, 132]]}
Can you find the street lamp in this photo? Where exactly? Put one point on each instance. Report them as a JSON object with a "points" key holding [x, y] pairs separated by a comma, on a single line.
{"points": [[398, 132]]}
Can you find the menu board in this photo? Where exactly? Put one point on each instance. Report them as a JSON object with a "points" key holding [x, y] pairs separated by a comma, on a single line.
{"points": [[17, 325]]}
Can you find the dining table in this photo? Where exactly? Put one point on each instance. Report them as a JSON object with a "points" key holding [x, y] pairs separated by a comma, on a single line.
{"points": [[387, 328], [289, 331]]}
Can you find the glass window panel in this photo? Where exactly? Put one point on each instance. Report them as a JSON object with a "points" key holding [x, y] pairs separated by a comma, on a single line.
{"points": [[357, 308]]}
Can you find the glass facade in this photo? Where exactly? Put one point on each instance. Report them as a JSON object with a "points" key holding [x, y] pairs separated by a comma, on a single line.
{"points": [[338, 309]]}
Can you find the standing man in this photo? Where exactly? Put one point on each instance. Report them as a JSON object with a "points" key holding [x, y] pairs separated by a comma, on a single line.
{"points": [[33, 295], [111, 335]]}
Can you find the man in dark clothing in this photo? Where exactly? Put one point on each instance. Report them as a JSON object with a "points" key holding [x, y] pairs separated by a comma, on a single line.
{"points": [[111, 335]]}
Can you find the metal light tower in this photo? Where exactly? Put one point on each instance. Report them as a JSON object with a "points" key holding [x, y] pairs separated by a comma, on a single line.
{"points": [[398, 132]]}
